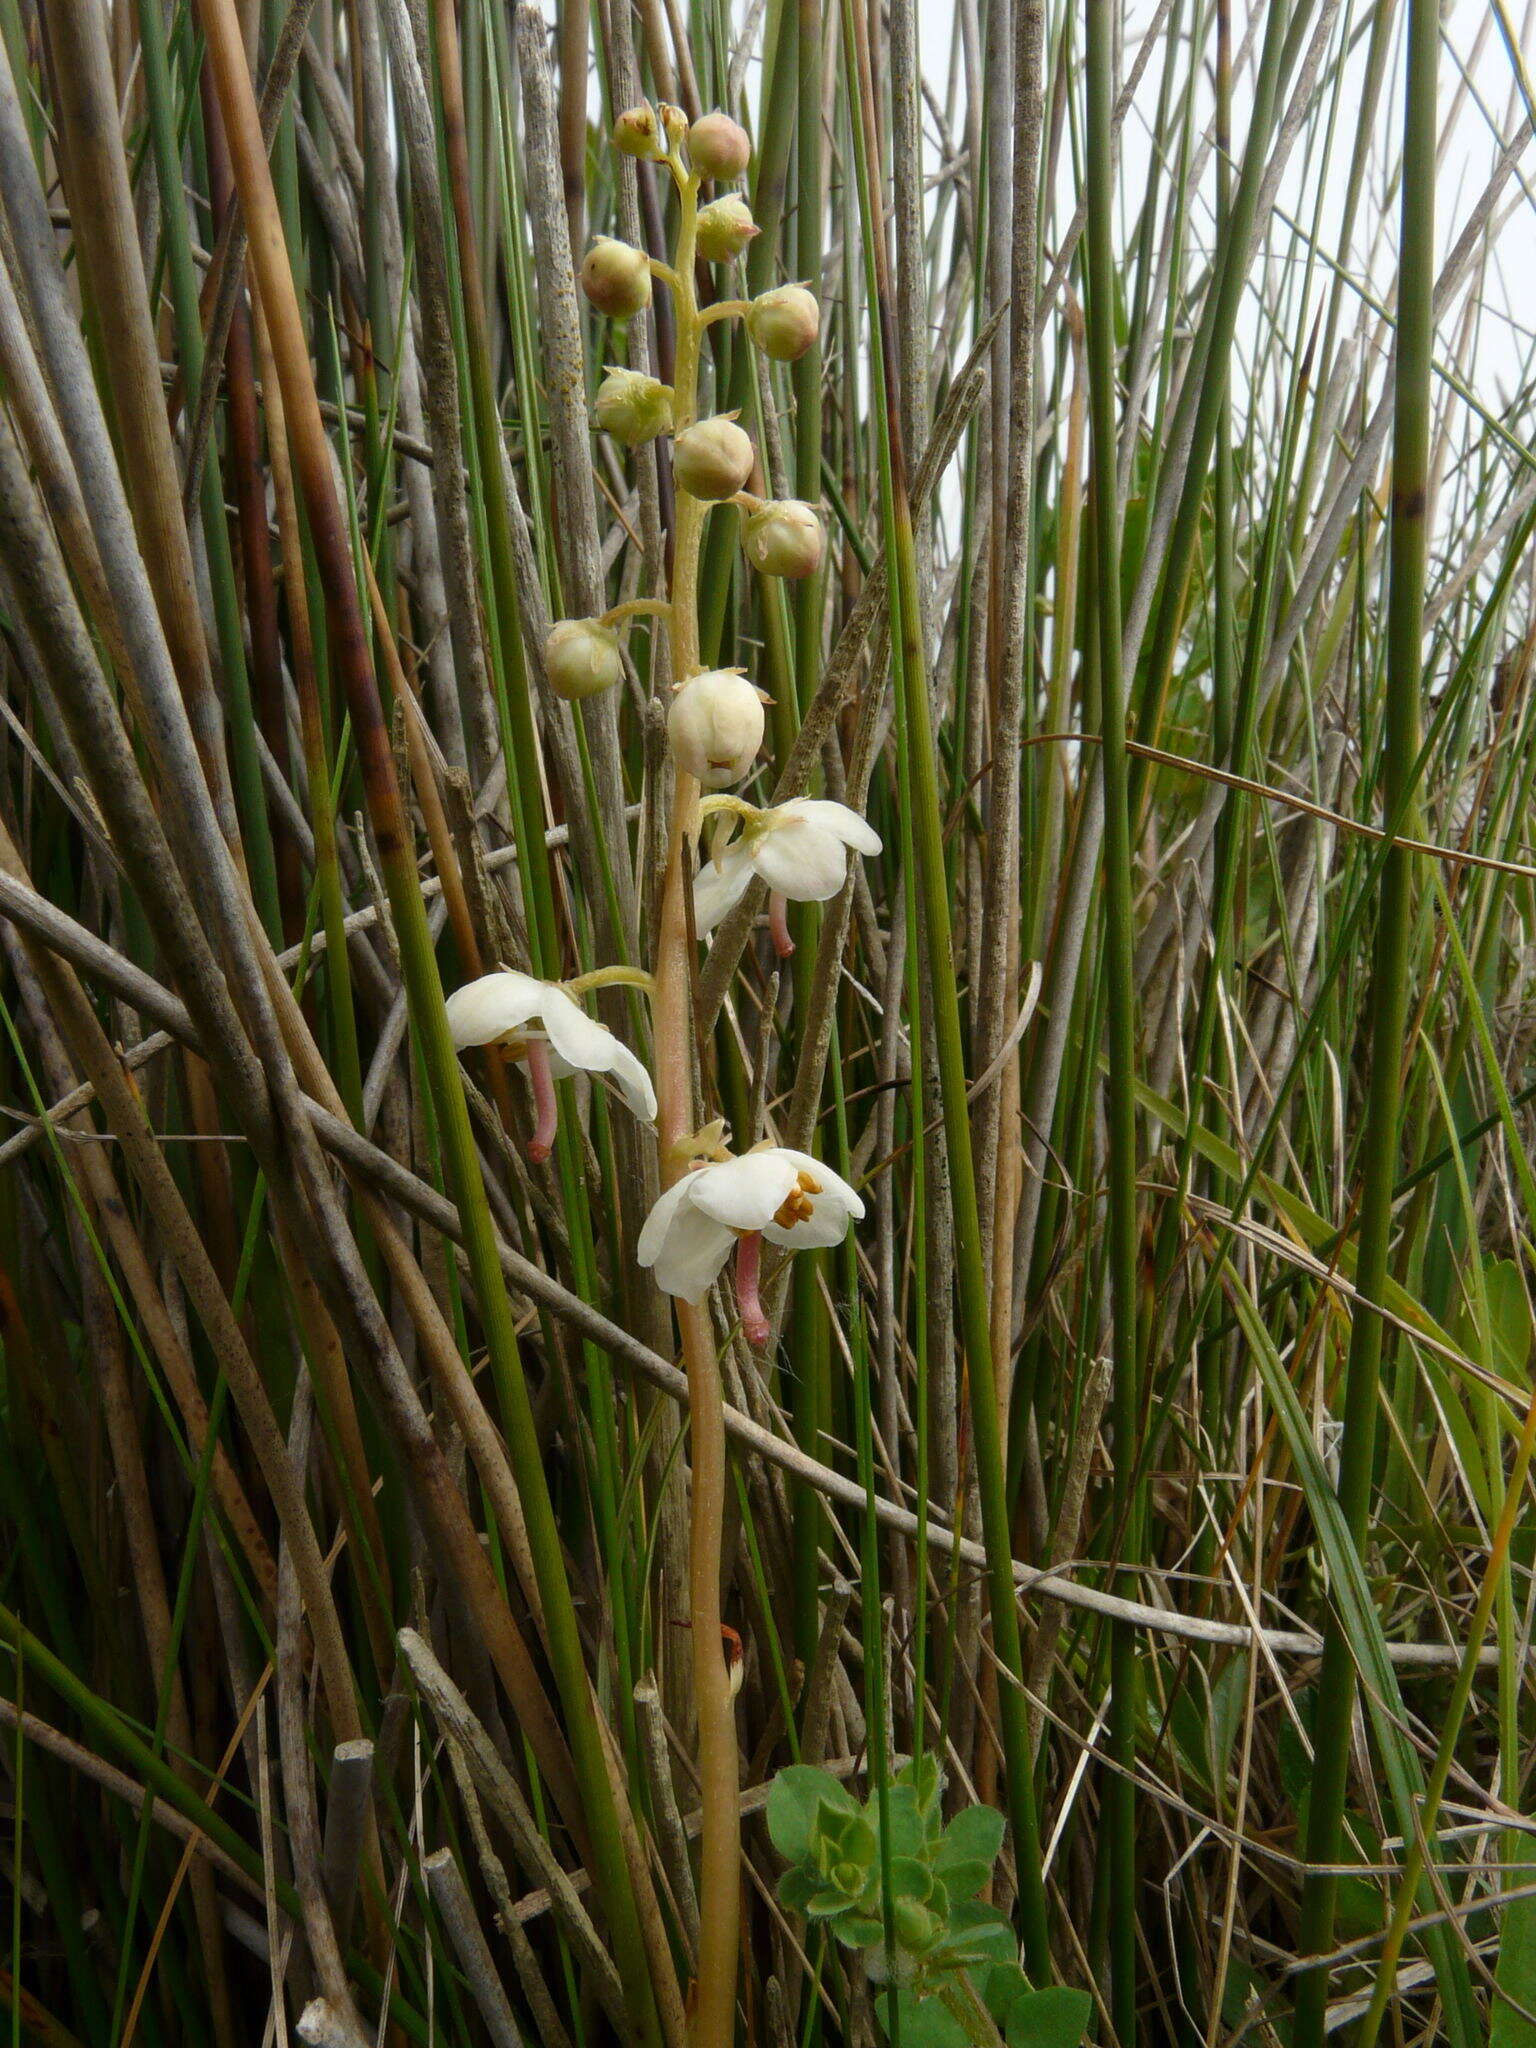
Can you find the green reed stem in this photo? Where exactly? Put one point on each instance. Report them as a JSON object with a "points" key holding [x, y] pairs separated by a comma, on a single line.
{"points": [[1382, 1135], [975, 1304]]}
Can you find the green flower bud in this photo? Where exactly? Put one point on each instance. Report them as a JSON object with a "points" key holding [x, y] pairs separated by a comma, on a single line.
{"points": [[633, 407], [637, 132], [725, 228], [715, 727], [582, 657], [616, 278], [675, 123], [712, 458], [719, 147], [784, 322], [785, 538]]}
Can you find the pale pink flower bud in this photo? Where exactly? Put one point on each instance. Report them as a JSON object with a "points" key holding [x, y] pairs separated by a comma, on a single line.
{"points": [[719, 147], [616, 278], [785, 538], [784, 322], [582, 658], [633, 407], [725, 228], [715, 727], [712, 458], [637, 132]]}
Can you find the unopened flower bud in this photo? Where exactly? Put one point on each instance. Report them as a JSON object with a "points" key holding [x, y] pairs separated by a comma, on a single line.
{"points": [[785, 538], [633, 407], [675, 122], [582, 657], [725, 228], [616, 278], [637, 132], [712, 458], [784, 322], [719, 147], [715, 727]]}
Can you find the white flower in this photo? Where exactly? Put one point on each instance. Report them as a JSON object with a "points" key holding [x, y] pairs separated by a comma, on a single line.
{"points": [[715, 727], [786, 1196], [539, 1022], [800, 850]]}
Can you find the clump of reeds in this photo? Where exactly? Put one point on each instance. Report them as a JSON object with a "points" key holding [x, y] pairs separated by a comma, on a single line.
{"points": [[764, 871]]}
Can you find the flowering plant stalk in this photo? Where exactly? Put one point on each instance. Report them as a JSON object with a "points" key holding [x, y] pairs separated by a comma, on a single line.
{"points": [[714, 2007]]}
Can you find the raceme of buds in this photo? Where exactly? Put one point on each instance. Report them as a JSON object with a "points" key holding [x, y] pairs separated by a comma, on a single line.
{"points": [[541, 1023], [784, 322], [637, 132], [633, 407], [582, 658], [719, 147], [616, 278], [715, 727], [785, 538], [799, 848], [712, 458], [786, 1196], [725, 227]]}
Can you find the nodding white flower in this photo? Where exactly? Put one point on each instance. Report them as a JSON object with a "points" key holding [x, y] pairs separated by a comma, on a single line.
{"points": [[734, 1203], [541, 1023], [800, 849]]}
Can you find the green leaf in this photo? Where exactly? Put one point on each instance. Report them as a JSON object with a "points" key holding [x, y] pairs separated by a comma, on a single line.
{"points": [[1229, 1699], [979, 1934], [926, 2022], [859, 1930], [798, 1886], [911, 1879], [1053, 2018], [827, 1903], [926, 1780], [909, 1831], [964, 1880], [794, 1802], [974, 1836], [1509, 1315], [1516, 1972]]}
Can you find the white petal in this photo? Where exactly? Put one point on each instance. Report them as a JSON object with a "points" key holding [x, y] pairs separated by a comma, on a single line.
{"points": [[484, 1010], [574, 1035], [827, 1224], [718, 889], [831, 1185], [838, 819], [659, 1222], [581, 1042], [801, 861], [633, 1083], [684, 1248], [745, 1192]]}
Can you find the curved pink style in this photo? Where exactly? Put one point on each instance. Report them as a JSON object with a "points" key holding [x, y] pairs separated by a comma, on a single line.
{"points": [[749, 1251], [778, 924], [542, 1143]]}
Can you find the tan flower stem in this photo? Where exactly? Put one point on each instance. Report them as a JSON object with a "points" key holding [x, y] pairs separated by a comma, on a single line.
{"points": [[714, 1999]]}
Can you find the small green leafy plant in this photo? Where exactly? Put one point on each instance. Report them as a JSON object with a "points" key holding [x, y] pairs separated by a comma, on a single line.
{"points": [[952, 1959]]}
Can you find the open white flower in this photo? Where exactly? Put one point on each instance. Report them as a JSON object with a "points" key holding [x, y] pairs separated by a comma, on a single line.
{"points": [[786, 1196], [541, 1023], [801, 851]]}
